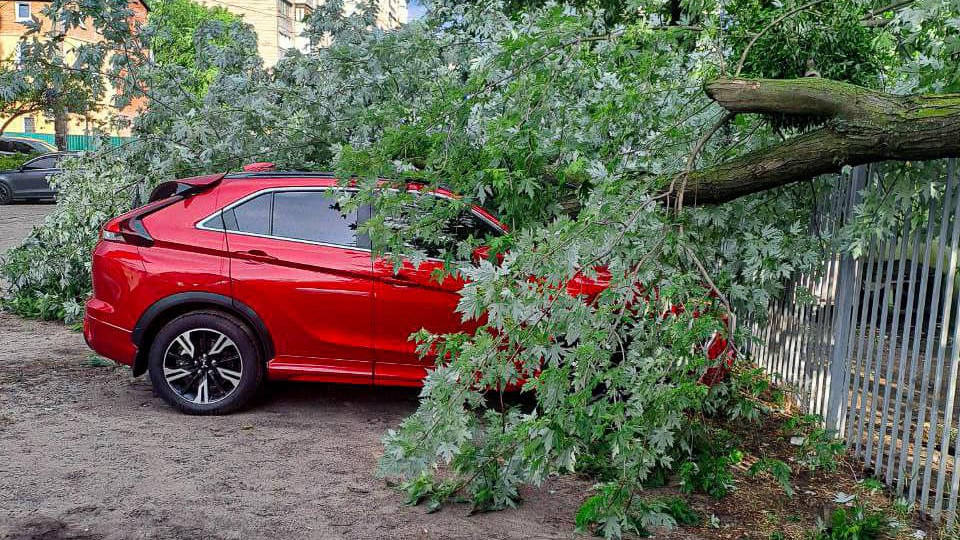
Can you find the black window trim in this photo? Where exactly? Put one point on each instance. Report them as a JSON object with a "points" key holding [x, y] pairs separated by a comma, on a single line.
{"points": [[208, 222]]}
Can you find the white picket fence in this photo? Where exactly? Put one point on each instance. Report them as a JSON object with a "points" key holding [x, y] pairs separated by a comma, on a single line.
{"points": [[874, 351]]}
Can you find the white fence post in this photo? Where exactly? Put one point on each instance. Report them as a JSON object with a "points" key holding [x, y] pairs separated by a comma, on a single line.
{"points": [[842, 323]]}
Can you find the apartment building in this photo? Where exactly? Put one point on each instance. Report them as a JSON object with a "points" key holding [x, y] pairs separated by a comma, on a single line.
{"points": [[13, 15], [279, 23]]}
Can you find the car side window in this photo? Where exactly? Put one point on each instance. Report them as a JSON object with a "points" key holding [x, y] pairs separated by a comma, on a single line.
{"points": [[457, 229], [314, 216], [41, 163], [468, 224], [252, 216], [5, 146], [23, 148]]}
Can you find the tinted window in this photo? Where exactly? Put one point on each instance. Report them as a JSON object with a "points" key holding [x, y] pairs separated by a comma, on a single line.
{"points": [[313, 216], [215, 222], [464, 225], [42, 163], [458, 229], [5, 146], [22, 147], [253, 216]]}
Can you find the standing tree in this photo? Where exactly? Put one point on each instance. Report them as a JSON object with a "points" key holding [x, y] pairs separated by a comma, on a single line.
{"points": [[175, 40]]}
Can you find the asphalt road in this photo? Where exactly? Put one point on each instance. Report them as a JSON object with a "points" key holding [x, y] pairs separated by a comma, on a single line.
{"points": [[16, 221]]}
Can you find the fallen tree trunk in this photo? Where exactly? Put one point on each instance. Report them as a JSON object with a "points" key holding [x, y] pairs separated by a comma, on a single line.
{"points": [[860, 126]]}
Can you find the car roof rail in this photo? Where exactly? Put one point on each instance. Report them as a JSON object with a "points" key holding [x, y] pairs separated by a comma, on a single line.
{"points": [[282, 174]]}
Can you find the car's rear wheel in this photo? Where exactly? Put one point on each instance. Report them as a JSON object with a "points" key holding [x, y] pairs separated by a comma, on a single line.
{"points": [[6, 194], [205, 362]]}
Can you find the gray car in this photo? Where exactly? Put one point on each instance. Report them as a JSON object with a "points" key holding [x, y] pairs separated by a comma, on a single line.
{"points": [[30, 180]]}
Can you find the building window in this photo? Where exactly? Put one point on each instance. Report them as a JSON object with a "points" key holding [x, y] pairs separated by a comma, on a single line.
{"points": [[285, 42], [285, 8], [23, 11], [29, 124]]}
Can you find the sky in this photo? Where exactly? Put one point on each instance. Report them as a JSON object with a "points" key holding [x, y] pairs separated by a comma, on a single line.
{"points": [[415, 10]]}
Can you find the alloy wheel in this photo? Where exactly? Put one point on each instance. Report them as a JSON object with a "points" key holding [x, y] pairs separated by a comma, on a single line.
{"points": [[202, 366]]}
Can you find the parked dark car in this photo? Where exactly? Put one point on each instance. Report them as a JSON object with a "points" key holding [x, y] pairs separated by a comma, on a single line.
{"points": [[30, 180], [24, 145]]}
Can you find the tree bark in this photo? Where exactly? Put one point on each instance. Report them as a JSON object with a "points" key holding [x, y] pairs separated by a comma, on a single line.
{"points": [[61, 127], [676, 13], [860, 126]]}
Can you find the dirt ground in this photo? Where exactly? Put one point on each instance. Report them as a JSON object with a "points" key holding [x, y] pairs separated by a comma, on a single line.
{"points": [[88, 452]]}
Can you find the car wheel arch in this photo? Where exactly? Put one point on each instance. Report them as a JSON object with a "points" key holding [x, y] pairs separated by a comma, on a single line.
{"points": [[166, 309], [9, 185]]}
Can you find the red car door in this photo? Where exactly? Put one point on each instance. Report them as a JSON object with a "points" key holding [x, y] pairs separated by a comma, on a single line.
{"points": [[412, 299], [299, 264], [407, 301]]}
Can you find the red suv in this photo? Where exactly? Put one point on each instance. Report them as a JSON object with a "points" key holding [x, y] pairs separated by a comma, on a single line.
{"points": [[223, 280]]}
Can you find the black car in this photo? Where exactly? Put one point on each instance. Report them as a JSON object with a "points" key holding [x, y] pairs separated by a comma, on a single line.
{"points": [[30, 180], [24, 145]]}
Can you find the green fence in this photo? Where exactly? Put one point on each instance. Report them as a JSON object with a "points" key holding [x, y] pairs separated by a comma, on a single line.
{"points": [[74, 142]]}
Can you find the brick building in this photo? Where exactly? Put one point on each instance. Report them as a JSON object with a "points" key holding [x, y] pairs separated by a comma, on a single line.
{"points": [[279, 23]]}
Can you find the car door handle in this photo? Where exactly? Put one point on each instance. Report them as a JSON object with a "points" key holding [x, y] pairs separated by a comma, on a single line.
{"points": [[400, 279], [257, 254]]}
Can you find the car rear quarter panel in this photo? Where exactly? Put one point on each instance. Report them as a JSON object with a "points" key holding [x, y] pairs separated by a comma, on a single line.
{"points": [[117, 274], [183, 258]]}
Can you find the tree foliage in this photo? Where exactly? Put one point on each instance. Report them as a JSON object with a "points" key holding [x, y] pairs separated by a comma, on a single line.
{"points": [[176, 38], [572, 126]]}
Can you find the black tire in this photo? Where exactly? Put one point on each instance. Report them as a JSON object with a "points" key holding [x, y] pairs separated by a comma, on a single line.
{"points": [[6, 194], [192, 368]]}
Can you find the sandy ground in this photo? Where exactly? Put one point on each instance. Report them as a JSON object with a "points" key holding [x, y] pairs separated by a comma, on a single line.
{"points": [[88, 452]]}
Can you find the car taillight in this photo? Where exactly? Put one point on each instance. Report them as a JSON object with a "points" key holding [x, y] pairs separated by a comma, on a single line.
{"points": [[126, 231]]}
